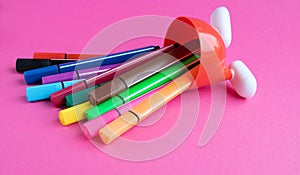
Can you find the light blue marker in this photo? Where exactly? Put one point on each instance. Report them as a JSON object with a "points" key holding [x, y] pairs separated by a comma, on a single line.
{"points": [[43, 92]]}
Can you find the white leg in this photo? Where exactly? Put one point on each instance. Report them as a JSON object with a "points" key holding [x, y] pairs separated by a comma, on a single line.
{"points": [[243, 80], [220, 20]]}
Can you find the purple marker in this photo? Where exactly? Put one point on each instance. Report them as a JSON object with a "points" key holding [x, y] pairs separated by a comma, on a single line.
{"points": [[77, 74]]}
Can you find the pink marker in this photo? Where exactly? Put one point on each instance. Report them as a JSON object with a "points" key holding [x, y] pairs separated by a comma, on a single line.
{"points": [[92, 127], [77, 74]]}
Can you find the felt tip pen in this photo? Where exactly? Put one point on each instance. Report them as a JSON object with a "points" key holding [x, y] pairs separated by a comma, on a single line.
{"points": [[58, 98], [77, 113], [143, 87], [141, 111], [77, 74], [25, 64], [42, 92], [91, 128], [57, 55], [79, 97], [35, 75], [141, 72]]}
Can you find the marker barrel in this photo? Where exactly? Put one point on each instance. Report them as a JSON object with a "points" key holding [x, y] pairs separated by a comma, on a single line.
{"points": [[141, 72], [142, 87], [91, 128], [78, 74], [58, 98], [139, 112]]}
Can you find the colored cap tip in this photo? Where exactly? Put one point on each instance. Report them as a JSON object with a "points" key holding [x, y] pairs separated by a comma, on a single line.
{"points": [[67, 117], [87, 132], [35, 75], [107, 135]]}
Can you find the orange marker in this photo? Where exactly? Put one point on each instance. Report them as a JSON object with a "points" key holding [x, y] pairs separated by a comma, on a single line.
{"points": [[138, 113]]}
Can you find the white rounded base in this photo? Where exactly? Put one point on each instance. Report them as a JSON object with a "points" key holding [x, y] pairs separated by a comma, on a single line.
{"points": [[220, 20], [243, 80]]}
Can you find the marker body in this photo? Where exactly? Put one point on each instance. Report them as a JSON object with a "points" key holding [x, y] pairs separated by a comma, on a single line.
{"points": [[141, 88], [58, 98], [91, 128], [142, 72], [139, 112], [78, 74]]}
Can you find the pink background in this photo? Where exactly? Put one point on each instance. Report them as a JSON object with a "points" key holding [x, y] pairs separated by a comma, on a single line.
{"points": [[257, 136]]}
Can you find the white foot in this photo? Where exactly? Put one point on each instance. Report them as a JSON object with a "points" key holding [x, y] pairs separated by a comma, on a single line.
{"points": [[220, 20], [243, 81]]}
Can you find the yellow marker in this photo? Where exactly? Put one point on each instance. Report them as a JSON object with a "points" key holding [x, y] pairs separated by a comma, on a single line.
{"points": [[73, 114], [139, 112]]}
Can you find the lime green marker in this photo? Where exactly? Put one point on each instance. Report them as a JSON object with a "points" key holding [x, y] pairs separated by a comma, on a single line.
{"points": [[143, 87]]}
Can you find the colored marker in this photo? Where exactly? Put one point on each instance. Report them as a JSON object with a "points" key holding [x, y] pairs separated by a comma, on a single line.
{"points": [[77, 113], [141, 111], [91, 128], [79, 97], [35, 76], [143, 87], [77, 74], [25, 64], [142, 72], [50, 55], [73, 114], [42, 92], [58, 98]]}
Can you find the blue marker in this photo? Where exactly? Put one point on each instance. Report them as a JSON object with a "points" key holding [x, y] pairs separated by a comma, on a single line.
{"points": [[43, 92], [35, 76]]}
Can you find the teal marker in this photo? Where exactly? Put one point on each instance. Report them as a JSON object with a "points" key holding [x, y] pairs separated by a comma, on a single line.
{"points": [[142, 87], [79, 97]]}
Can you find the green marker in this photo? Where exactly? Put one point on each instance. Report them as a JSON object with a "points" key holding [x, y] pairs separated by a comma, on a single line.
{"points": [[142, 87]]}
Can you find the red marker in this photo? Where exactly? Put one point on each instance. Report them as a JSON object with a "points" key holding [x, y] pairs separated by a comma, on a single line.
{"points": [[49, 55]]}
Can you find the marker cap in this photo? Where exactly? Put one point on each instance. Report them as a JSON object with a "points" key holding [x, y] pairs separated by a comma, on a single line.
{"points": [[42, 92], [47, 55], [34, 76], [73, 114], [25, 64]]}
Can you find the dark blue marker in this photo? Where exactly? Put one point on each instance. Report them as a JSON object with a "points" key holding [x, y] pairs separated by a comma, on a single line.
{"points": [[35, 76]]}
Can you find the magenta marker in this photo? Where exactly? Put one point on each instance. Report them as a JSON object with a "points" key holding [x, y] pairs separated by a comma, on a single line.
{"points": [[77, 74], [92, 127]]}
